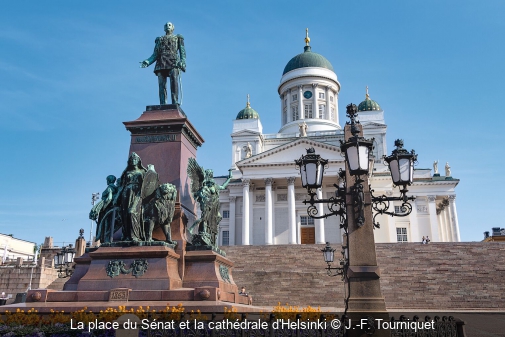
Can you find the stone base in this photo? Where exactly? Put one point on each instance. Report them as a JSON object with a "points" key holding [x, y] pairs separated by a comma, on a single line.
{"points": [[108, 268], [208, 269]]}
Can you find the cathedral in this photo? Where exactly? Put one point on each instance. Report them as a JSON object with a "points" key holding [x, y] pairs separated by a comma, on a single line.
{"points": [[263, 204]]}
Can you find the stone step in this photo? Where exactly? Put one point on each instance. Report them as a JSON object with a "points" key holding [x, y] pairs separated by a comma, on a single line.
{"points": [[437, 275]]}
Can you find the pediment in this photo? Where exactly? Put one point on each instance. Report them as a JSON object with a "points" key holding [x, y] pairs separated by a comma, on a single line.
{"points": [[245, 133], [369, 125], [286, 154]]}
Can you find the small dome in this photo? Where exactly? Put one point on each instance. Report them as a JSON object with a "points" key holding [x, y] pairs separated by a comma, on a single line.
{"points": [[368, 104], [248, 112]]}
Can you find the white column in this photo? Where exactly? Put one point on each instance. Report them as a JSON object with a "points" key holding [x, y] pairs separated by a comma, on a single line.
{"points": [[245, 211], [434, 226], [301, 112], [327, 107], [448, 224], [291, 210], [414, 226], [298, 228], [441, 225], [269, 233], [232, 221], [335, 100], [315, 107], [454, 218], [319, 223], [281, 96], [289, 117]]}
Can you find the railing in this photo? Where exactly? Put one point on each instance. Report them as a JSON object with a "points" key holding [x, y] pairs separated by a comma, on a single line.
{"points": [[297, 134]]}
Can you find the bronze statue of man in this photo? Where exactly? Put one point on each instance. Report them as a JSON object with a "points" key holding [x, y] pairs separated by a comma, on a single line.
{"points": [[170, 56]]}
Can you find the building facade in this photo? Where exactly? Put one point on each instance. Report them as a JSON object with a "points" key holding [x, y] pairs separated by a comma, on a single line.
{"points": [[263, 204], [12, 248]]}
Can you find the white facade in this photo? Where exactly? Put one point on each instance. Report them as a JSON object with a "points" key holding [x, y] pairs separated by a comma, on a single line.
{"points": [[264, 202], [12, 248]]}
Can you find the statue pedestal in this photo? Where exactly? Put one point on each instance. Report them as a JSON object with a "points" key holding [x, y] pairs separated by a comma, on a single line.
{"points": [[163, 136], [134, 267], [206, 268]]}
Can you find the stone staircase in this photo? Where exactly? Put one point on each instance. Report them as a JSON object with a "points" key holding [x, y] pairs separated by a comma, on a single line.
{"points": [[413, 276], [439, 276]]}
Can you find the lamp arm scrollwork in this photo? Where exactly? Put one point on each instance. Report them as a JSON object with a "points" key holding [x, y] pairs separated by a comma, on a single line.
{"points": [[380, 204], [335, 206]]}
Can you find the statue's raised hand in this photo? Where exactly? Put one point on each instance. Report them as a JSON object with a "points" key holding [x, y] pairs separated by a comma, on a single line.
{"points": [[144, 64]]}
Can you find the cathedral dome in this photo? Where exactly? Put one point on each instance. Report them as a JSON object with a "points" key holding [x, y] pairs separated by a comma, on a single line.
{"points": [[248, 112], [307, 59], [368, 104]]}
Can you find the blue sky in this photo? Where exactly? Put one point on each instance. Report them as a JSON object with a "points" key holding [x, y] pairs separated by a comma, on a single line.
{"points": [[69, 77]]}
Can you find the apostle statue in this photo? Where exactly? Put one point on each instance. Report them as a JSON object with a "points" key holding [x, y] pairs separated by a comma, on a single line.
{"points": [[447, 170], [206, 192], [303, 129], [170, 56], [435, 167], [248, 150]]}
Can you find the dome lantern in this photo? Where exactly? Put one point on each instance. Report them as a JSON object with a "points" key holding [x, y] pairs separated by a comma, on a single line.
{"points": [[248, 112], [368, 104]]}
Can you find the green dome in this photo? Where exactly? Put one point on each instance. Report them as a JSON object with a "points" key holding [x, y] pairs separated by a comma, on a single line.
{"points": [[308, 59], [248, 113], [368, 104]]}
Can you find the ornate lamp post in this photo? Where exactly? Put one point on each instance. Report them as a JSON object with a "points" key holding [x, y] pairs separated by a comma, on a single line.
{"points": [[353, 202], [63, 260]]}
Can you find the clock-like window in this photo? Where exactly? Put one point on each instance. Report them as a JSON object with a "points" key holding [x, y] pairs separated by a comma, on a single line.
{"points": [[307, 94]]}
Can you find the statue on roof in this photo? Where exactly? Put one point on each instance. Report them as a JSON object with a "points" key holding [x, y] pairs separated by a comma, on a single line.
{"points": [[303, 129], [435, 167], [206, 192], [170, 56], [447, 170]]}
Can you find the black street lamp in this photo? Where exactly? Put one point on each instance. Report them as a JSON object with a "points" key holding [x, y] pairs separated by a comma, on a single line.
{"points": [[63, 260], [353, 200], [357, 149]]}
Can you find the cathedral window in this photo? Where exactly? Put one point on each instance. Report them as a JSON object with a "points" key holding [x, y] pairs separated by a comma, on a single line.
{"points": [[225, 238], [332, 113], [285, 102], [306, 221], [321, 95], [331, 98], [294, 111], [321, 111], [308, 111], [226, 214], [285, 115], [295, 97], [400, 210], [401, 234]]}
